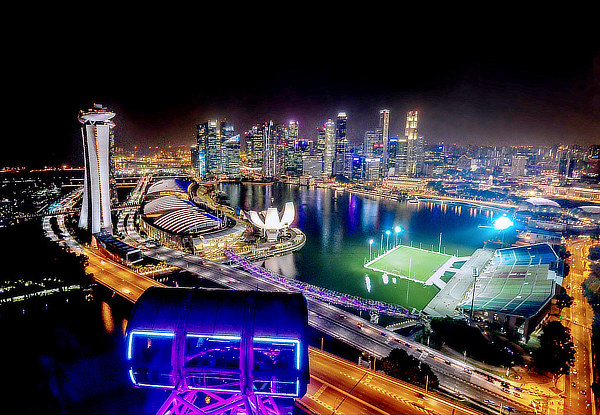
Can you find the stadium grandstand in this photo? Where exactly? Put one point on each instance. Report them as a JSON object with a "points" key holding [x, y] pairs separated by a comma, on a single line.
{"points": [[515, 288]]}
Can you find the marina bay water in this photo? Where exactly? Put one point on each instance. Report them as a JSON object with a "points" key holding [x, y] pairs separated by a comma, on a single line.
{"points": [[338, 226]]}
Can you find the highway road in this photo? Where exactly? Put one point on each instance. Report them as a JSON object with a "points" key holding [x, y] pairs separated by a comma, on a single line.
{"points": [[117, 277], [579, 318], [341, 387]]}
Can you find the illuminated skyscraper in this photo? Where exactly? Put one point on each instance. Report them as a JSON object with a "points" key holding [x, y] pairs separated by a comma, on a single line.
{"points": [[341, 144], [328, 159], [209, 149], [96, 131], [231, 156], [415, 151], [270, 150], [384, 125]]}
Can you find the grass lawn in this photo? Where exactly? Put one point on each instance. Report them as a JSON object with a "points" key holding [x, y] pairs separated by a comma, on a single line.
{"points": [[397, 261]]}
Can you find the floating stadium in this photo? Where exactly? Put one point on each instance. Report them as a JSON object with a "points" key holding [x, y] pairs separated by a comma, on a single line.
{"points": [[509, 287]]}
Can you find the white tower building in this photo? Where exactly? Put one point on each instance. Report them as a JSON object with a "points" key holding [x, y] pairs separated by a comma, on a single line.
{"points": [[95, 131]]}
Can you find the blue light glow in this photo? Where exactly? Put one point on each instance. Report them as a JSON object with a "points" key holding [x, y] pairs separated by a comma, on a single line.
{"points": [[503, 223]]}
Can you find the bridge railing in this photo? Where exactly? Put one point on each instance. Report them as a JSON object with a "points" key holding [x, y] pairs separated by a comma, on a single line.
{"points": [[323, 294]]}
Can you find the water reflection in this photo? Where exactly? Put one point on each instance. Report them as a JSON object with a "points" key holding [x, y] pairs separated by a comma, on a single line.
{"points": [[107, 318], [338, 228]]}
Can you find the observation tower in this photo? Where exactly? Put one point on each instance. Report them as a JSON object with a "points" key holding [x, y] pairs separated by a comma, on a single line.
{"points": [[95, 131]]}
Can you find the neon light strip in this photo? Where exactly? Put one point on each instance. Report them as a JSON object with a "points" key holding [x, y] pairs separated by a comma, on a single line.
{"points": [[275, 340], [149, 333]]}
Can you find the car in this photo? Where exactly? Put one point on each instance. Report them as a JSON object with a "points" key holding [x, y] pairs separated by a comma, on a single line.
{"points": [[448, 362], [573, 384], [467, 370], [517, 394], [510, 409], [408, 345], [489, 402], [582, 391]]}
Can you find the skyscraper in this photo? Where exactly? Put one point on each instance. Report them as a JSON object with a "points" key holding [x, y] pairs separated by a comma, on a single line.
{"points": [[270, 149], [255, 146], [329, 157], [384, 125], [209, 149], [95, 132], [415, 151], [231, 156], [341, 144]]}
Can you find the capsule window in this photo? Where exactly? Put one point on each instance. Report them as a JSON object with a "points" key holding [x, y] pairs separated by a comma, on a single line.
{"points": [[276, 364], [150, 356]]}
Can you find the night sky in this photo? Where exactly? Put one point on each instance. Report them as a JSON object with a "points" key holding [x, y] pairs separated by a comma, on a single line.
{"points": [[498, 87]]}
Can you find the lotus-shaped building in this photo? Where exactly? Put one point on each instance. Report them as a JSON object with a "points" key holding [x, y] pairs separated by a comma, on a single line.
{"points": [[271, 223]]}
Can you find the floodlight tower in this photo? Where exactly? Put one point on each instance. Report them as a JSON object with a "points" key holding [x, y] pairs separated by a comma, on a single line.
{"points": [[95, 131]]}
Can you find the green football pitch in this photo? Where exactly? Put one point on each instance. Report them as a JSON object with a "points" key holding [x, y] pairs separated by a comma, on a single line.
{"points": [[404, 260]]}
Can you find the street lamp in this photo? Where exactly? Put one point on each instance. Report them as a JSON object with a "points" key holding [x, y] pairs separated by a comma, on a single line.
{"points": [[397, 229], [387, 243], [370, 245]]}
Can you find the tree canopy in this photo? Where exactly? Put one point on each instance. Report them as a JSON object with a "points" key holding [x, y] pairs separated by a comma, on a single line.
{"points": [[400, 365], [556, 354]]}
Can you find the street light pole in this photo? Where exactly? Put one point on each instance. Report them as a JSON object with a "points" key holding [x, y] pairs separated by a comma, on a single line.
{"points": [[370, 245]]}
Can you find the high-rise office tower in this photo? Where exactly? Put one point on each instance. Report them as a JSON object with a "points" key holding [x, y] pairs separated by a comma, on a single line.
{"points": [[341, 144], [255, 146], [371, 143], [384, 125], [401, 154], [329, 156], [270, 149], [231, 156], [95, 131], [320, 147], [415, 151], [209, 149]]}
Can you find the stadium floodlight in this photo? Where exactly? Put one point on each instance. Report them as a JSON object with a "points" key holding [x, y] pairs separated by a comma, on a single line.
{"points": [[387, 243], [370, 246], [397, 229], [503, 223]]}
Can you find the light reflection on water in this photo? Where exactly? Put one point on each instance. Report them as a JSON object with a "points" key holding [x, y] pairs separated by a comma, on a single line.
{"points": [[338, 226]]}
